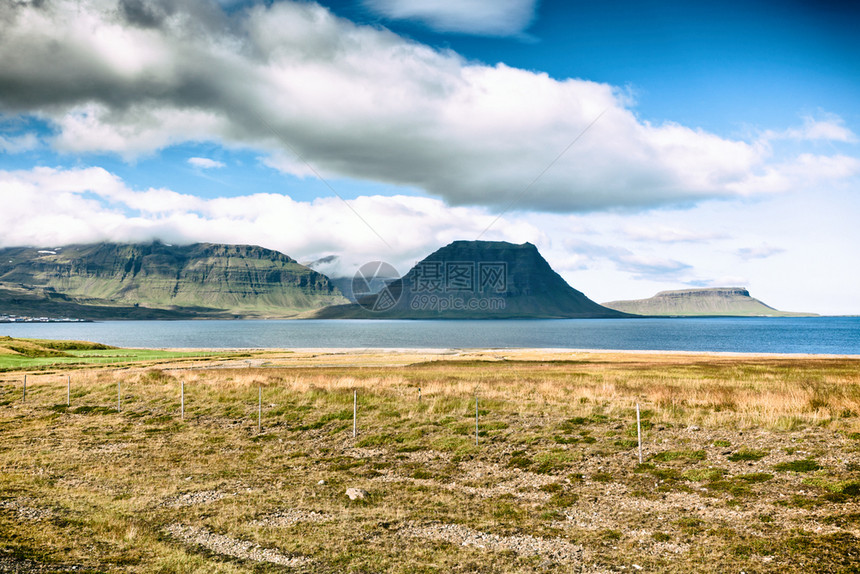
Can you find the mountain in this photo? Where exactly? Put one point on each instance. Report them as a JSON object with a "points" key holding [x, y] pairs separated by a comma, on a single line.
{"points": [[471, 280], [156, 280], [719, 301]]}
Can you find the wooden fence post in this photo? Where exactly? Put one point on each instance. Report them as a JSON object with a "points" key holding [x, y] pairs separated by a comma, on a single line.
{"points": [[639, 432], [476, 420]]}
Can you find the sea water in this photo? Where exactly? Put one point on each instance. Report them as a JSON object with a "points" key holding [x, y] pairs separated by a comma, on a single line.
{"points": [[817, 335]]}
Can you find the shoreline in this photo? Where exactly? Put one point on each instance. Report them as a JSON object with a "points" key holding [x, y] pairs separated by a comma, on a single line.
{"points": [[460, 351]]}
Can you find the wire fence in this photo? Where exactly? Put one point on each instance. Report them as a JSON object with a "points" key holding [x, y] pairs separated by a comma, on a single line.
{"points": [[34, 390]]}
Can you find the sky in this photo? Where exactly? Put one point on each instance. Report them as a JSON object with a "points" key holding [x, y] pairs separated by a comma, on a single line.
{"points": [[641, 145]]}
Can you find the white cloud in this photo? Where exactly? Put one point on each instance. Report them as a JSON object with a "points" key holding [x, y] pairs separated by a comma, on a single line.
{"points": [[291, 79], [132, 131], [831, 128], [804, 172], [480, 17], [18, 144], [205, 163], [46, 206]]}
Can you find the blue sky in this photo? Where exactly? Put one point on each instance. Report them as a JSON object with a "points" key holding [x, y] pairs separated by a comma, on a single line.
{"points": [[722, 65], [710, 144]]}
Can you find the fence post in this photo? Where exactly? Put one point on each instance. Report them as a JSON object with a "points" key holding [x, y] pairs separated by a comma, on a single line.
{"points": [[419, 394], [639, 432], [68, 390], [476, 420], [182, 400]]}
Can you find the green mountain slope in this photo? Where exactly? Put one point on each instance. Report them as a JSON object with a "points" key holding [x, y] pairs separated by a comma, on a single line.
{"points": [[475, 280], [200, 280], [719, 301]]}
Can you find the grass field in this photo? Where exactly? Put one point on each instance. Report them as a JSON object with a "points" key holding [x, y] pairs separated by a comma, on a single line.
{"points": [[750, 464], [20, 354]]}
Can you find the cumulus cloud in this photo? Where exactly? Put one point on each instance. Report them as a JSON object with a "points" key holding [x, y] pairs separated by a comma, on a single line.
{"points": [[294, 81], [18, 144], [802, 173], [47, 206], [50, 207], [480, 17], [205, 163], [830, 128]]}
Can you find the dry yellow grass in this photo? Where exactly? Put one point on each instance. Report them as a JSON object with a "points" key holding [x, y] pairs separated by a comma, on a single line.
{"points": [[555, 468]]}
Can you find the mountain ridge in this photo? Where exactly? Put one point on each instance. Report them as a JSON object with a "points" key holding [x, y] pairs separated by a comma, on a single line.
{"points": [[702, 302], [158, 280]]}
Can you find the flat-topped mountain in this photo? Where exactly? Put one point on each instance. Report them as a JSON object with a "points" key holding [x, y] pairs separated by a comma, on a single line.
{"points": [[718, 301], [474, 280], [156, 280]]}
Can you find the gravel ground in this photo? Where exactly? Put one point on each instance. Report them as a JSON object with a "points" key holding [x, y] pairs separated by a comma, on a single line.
{"points": [[11, 565], [617, 509], [555, 549], [193, 498], [291, 516], [25, 511], [242, 549], [511, 482]]}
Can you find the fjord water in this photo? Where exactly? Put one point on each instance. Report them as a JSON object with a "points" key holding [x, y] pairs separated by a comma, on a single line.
{"points": [[817, 335]]}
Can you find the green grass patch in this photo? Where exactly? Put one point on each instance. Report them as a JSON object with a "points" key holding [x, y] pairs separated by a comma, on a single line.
{"points": [[91, 410], [74, 358], [703, 474], [747, 455], [735, 488], [802, 465], [520, 460], [692, 455], [610, 534], [554, 461], [754, 477], [849, 488]]}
